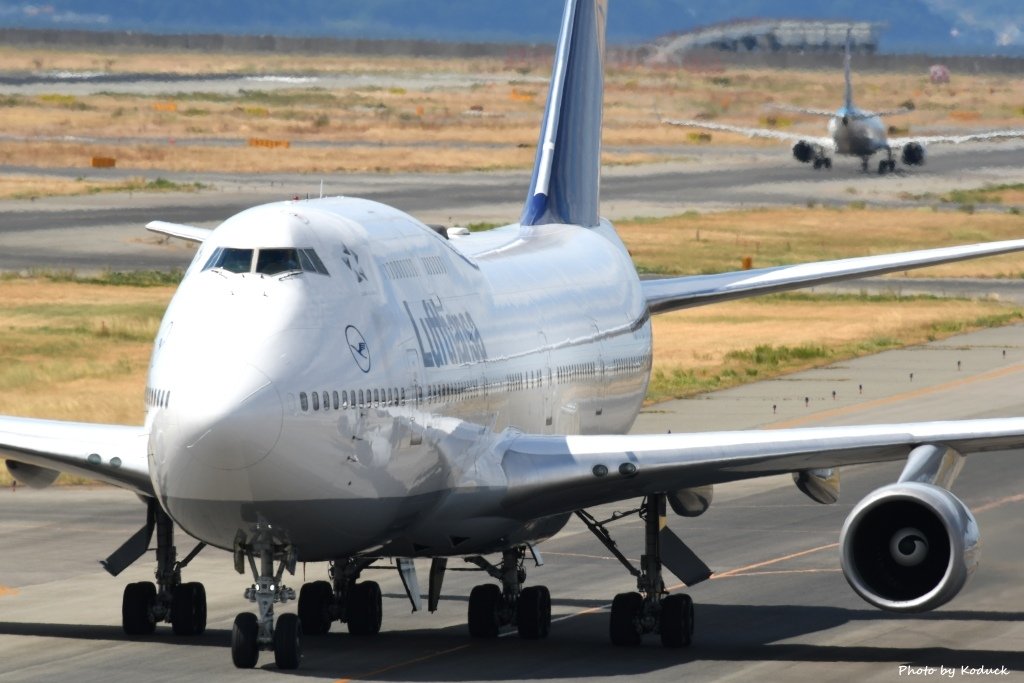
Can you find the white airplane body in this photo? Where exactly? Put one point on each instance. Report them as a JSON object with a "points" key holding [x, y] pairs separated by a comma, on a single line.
{"points": [[852, 132], [336, 381]]}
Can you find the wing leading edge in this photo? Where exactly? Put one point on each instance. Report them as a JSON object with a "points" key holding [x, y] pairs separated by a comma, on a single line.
{"points": [[669, 294], [113, 454], [549, 475]]}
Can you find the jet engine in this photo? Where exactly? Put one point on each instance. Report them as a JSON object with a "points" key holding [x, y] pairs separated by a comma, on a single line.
{"points": [[913, 154], [31, 475], [909, 547], [803, 151]]}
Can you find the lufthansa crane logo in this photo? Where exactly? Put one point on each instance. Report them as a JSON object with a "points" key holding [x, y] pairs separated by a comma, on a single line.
{"points": [[357, 345]]}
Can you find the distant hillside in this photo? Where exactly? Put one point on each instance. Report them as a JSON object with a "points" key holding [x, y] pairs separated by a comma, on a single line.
{"points": [[936, 26]]}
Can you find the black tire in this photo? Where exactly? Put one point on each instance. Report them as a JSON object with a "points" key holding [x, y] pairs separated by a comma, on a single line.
{"points": [[288, 642], [533, 612], [817, 164], [484, 607], [677, 621], [883, 165], [624, 627], [137, 608], [892, 165], [315, 608], [828, 163], [188, 609], [364, 609], [245, 646]]}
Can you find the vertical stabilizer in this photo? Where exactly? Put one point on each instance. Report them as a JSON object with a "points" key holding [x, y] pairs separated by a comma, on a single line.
{"points": [[848, 98], [567, 170]]}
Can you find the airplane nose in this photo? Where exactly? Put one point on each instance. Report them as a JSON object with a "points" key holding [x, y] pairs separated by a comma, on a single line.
{"points": [[229, 420]]}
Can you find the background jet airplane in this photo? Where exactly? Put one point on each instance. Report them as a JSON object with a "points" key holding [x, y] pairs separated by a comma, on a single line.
{"points": [[336, 382], [852, 132]]}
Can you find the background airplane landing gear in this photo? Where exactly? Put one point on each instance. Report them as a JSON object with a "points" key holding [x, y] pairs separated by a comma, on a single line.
{"points": [[358, 604]]}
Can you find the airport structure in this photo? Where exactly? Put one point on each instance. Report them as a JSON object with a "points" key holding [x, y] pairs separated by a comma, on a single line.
{"points": [[767, 35]]}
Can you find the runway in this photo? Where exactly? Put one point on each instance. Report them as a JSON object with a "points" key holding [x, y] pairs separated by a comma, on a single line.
{"points": [[105, 232], [777, 608]]}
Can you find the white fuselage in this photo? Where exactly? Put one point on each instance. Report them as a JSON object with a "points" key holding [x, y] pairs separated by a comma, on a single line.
{"points": [[857, 133], [357, 411]]}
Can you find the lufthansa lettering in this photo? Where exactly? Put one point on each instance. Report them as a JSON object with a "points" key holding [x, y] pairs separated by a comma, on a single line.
{"points": [[445, 338]]}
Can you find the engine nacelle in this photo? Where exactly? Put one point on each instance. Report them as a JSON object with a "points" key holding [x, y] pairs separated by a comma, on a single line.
{"points": [[32, 476], [909, 547], [913, 154], [803, 151]]}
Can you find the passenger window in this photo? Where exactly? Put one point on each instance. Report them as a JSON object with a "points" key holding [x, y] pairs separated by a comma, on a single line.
{"points": [[361, 403], [401, 398], [344, 399], [327, 401], [303, 401], [376, 397], [316, 401], [231, 260], [337, 403], [274, 261]]}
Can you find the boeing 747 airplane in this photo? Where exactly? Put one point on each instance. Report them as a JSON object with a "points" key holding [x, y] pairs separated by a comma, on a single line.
{"points": [[851, 132], [334, 381]]}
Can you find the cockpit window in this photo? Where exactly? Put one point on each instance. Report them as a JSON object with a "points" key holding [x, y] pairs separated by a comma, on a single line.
{"points": [[231, 260], [267, 261], [274, 261]]}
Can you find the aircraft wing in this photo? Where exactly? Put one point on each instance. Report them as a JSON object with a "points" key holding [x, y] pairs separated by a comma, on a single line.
{"points": [[113, 454], [768, 133], [549, 475], [185, 232], [669, 294], [990, 136]]}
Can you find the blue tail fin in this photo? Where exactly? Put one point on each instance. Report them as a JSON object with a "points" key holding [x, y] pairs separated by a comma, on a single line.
{"points": [[567, 170]]}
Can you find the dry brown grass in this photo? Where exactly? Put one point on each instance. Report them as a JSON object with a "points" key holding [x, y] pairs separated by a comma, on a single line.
{"points": [[711, 243], [425, 128]]}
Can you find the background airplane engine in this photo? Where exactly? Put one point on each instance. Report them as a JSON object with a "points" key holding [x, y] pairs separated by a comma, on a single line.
{"points": [[913, 154], [31, 475], [909, 547], [803, 151]]}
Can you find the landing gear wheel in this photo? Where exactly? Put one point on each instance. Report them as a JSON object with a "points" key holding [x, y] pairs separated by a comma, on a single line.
{"points": [[677, 621], [827, 162], [314, 608], [137, 608], [533, 612], [883, 166], [288, 642], [484, 606], [188, 609], [817, 164], [245, 647], [624, 627], [892, 165], [364, 609]]}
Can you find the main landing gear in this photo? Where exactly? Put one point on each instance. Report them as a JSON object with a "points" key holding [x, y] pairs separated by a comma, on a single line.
{"points": [[651, 609], [342, 599], [145, 604], [492, 607], [254, 632], [821, 162]]}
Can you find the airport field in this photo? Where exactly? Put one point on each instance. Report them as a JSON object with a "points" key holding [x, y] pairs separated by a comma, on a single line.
{"points": [[349, 113]]}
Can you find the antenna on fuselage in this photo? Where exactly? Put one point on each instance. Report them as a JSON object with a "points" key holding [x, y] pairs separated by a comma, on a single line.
{"points": [[321, 188]]}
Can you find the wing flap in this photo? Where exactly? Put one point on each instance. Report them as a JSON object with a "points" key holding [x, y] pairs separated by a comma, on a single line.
{"points": [[555, 474], [669, 294], [113, 454]]}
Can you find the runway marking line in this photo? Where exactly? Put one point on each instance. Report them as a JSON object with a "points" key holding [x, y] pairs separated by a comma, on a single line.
{"points": [[896, 398], [6, 590], [992, 505]]}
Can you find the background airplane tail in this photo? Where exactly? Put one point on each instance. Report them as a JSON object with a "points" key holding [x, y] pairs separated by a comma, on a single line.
{"points": [[567, 169], [848, 97]]}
